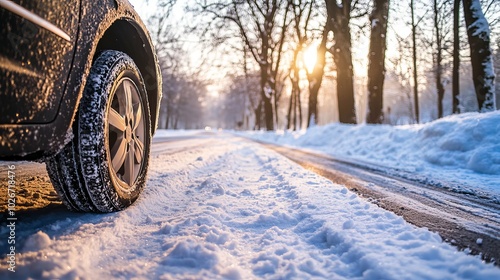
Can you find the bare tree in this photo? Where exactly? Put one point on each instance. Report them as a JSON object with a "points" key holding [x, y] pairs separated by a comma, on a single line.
{"points": [[376, 57], [301, 11], [171, 57], [182, 100], [304, 12], [162, 29], [253, 100], [440, 13], [478, 33], [261, 26], [233, 112], [295, 102], [401, 69], [315, 79]]}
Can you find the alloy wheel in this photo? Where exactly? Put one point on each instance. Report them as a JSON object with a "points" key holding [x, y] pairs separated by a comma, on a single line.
{"points": [[126, 134]]}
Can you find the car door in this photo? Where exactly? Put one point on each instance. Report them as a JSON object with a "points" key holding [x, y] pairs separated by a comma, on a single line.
{"points": [[37, 44]]}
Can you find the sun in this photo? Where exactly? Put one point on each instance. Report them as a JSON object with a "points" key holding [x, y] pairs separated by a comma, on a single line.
{"points": [[310, 56]]}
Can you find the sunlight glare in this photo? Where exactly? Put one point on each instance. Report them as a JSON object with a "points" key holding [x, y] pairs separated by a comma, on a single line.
{"points": [[309, 56]]}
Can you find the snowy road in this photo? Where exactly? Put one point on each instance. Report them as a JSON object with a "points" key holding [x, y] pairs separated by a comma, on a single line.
{"points": [[219, 207], [459, 218]]}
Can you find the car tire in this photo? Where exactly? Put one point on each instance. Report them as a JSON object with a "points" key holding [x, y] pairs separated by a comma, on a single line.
{"points": [[103, 168]]}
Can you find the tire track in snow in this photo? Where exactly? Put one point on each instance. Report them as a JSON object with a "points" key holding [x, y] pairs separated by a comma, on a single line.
{"points": [[234, 210], [461, 220]]}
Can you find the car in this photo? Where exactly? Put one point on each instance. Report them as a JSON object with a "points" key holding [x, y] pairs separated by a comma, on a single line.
{"points": [[80, 89]]}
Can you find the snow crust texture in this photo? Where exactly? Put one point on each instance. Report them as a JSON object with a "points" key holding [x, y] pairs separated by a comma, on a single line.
{"points": [[235, 210], [461, 149]]}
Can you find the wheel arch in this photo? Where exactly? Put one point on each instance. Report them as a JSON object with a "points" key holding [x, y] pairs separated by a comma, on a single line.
{"points": [[127, 36]]}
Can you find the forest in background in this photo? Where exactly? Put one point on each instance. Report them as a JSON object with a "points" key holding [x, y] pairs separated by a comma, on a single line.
{"points": [[291, 64]]}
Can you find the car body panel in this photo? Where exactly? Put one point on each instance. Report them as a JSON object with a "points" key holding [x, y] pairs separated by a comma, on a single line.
{"points": [[34, 61], [101, 26]]}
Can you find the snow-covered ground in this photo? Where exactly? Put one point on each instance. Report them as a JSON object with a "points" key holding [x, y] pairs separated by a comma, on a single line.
{"points": [[461, 150], [232, 209]]}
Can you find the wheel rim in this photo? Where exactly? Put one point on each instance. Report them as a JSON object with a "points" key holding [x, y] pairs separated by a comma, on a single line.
{"points": [[126, 134]]}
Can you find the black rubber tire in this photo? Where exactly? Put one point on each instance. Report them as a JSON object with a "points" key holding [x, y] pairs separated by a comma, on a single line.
{"points": [[83, 172]]}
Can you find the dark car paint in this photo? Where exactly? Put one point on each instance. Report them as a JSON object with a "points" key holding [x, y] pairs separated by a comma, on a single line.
{"points": [[43, 58], [107, 25]]}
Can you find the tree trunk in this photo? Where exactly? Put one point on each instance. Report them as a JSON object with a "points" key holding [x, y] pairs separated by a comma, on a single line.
{"points": [[345, 86], [176, 122], [294, 79], [167, 120], [439, 60], [339, 16], [376, 57], [347, 112], [312, 113], [275, 109], [289, 115], [268, 114], [456, 57], [295, 111], [478, 33], [299, 106], [258, 116], [267, 91], [415, 77], [295, 97]]}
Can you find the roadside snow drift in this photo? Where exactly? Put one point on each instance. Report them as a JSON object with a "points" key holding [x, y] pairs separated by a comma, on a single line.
{"points": [[462, 149], [231, 209]]}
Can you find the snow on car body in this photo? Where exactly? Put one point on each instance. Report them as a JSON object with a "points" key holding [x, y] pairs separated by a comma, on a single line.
{"points": [[56, 67]]}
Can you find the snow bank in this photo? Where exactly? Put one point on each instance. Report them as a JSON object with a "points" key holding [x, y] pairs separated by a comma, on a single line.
{"points": [[460, 148], [235, 210]]}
